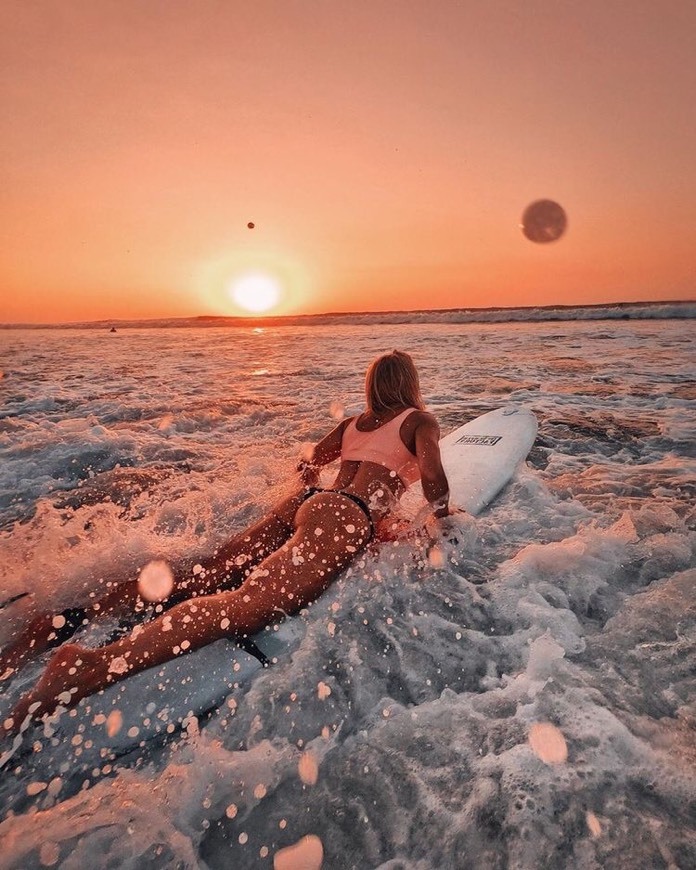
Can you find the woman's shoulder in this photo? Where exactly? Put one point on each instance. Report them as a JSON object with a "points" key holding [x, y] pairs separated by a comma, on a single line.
{"points": [[421, 417], [345, 422]]}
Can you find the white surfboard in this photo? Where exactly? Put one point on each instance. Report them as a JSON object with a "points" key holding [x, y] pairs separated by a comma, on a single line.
{"points": [[156, 703], [481, 457]]}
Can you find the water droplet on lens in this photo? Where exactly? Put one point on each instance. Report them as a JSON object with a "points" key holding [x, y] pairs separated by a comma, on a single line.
{"points": [[337, 410], [308, 853], [308, 769], [548, 743], [156, 581], [544, 221]]}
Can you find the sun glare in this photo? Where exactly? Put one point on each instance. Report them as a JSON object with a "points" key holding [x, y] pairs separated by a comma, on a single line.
{"points": [[255, 292]]}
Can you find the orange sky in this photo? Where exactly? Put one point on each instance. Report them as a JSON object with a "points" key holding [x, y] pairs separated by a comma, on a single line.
{"points": [[385, 151]]}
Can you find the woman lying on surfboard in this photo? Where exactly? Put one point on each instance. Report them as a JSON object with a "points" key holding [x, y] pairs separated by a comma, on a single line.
{"points": [[276, 567]]}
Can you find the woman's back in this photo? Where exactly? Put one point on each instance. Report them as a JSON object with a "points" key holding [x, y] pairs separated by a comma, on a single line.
{"points": [[378, 456], [382, 444]]}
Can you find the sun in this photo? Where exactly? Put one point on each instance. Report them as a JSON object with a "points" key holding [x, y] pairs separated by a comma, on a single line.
{"points": [[255, 292]]}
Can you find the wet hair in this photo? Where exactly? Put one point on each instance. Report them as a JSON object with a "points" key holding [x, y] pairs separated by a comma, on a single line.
{"points": [[392, 382]]}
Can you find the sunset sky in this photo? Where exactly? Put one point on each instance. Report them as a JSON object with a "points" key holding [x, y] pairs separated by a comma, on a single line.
{"points": [[384, 149]]}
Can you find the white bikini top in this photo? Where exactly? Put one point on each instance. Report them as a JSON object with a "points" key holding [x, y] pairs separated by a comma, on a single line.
{"points": [[382, 446]]}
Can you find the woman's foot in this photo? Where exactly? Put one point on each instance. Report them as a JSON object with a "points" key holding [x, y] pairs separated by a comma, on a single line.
{"points": [[44, 632], [72, 674]]}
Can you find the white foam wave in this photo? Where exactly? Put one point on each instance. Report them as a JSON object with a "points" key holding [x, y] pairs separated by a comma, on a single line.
{"points": [[417, 681]]}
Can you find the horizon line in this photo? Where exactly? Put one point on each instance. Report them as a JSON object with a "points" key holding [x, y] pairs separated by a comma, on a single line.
{"points": [[280, 319]]}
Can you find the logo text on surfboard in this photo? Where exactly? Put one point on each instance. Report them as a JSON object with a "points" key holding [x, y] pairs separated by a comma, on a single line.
{"points": [[484, 440]]}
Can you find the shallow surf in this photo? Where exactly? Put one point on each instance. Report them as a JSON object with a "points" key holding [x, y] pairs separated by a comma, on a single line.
{"points": [[528, 701]]}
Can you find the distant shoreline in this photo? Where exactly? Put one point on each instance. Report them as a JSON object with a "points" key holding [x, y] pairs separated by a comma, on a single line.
{"points": [[679, 309]]}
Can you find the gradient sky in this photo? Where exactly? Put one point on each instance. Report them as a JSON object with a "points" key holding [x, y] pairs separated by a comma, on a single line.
{"points": [[385, 150]]}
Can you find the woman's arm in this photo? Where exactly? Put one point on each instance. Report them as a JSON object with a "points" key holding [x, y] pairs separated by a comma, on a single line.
{"points": [[327, 450], [433, 477]]}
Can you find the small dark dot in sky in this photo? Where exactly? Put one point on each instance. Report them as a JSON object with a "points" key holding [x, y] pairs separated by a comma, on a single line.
{"points": [[544, 221], [251, 225]]}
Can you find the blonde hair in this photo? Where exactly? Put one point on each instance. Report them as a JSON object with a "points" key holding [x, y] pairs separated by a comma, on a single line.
{"points": [[392, 382]]}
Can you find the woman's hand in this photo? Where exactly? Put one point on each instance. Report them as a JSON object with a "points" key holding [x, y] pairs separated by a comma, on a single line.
{"points": [[309, 473], [447, 527]]}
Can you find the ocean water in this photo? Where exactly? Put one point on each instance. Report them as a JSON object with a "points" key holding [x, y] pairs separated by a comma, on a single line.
{"points": [[529, 701]]}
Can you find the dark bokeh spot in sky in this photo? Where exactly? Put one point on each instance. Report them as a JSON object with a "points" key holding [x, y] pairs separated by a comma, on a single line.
{"points": [[544, 221]]}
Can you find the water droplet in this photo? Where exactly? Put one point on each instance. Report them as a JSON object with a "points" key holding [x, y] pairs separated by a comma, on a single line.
{"points": [[49, 854], [308, 768], [436, 557], [114, 723], [337, 410], [307, 853], [544, 221], [548, 743], [156, 581], [593, 824], [54, 786], [118, 665]]}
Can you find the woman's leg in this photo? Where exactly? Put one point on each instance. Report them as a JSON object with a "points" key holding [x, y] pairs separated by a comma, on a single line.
{"points": [[330, 531], [227, 568]]}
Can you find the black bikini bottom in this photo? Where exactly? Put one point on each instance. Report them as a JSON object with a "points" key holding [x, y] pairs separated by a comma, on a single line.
{"points": [[75, 617], [313, 490]]}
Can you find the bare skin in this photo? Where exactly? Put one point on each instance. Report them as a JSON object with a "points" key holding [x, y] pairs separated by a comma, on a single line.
{"points": [[294, 554]]}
